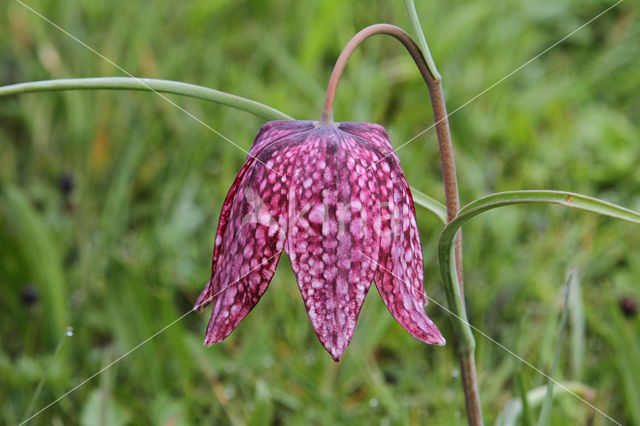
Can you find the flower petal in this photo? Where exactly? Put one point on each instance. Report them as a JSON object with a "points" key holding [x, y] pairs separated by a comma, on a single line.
{"points": [[273, 131], [269, 133], [400, 275], [331, 240], [205, 296], [252, 240], [374, 134]]}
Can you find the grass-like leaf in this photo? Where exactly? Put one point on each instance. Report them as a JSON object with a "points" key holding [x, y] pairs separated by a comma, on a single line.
{"points": [[545, 413], [412, 15], [147, 84], [577, 328], [526, 417], [41, 254], [446, 255]]}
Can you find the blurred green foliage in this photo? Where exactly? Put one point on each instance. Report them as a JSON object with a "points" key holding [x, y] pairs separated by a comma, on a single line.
{"points": [[126, 250]]}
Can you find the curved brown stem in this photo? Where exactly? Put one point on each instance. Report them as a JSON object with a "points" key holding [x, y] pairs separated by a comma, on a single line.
{"points": [[467, 362], [392, 30]]}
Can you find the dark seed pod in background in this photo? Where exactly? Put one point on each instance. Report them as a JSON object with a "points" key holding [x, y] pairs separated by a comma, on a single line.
{"points": [[29, 295], [628, 306], [66, 184]]}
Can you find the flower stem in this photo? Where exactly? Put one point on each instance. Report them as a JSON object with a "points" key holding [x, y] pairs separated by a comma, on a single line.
{"points": [[465, 349], [147, 84]]}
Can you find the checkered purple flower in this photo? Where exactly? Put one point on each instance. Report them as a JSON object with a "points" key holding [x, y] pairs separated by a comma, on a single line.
{"points": [[335, 199]]}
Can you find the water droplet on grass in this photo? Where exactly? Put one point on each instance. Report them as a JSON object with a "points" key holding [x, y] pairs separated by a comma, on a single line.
{"points": [[230, 392]]}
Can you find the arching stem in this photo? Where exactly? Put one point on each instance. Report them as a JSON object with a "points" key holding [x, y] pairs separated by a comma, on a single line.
{"points": [[466, 356], [147, 84]]}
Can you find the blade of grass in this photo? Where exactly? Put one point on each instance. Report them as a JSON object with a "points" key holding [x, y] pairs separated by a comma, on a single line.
{"points": [[578, 327], [527, 419], [545, 413], [68, 333], [42, 256], [147, 84], [563, 198], [412, 14]]}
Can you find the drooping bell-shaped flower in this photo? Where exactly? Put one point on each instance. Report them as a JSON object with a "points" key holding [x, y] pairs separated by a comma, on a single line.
{"points": [[335, 199]]}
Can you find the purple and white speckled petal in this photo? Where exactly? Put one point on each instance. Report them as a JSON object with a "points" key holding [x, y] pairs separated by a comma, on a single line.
{"points": [[271, 132], [253, 239], [372, 133], [400, 276], [331, 238], [274, 131], [205, 296]]}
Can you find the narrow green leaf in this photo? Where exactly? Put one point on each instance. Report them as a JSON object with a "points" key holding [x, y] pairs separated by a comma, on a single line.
{"points": [[41, 255], [431, 204], [412, 15], [446, 255], [578, 327], [54, 357], [563, 198], [545, 413], [522, 391], [147, 84]]}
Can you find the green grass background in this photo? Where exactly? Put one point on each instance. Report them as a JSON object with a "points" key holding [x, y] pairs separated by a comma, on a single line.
{"points": [[129, 249]]}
